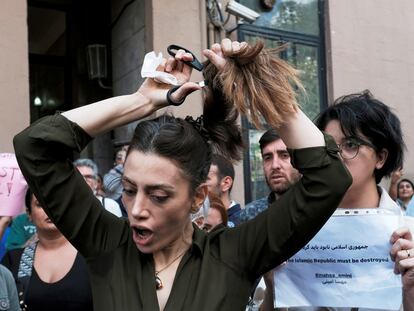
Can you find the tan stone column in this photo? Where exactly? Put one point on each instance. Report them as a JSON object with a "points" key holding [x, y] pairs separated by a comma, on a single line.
{"points": [[14, 71]]}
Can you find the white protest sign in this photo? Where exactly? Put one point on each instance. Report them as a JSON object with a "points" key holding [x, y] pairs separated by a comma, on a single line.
{"points": [[347, 264], [12, 186]]}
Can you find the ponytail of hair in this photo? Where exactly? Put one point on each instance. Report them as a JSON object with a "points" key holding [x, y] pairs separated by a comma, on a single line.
{"points": [[256, 83]]}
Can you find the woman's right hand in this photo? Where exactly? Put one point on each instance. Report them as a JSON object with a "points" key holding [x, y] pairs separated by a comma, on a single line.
{"points": [[157, 92], [396, 175]]}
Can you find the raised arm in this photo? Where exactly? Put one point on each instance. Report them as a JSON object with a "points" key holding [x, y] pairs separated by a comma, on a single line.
{"points": [[395, 177], [44, 152], [108, 114], [279, 232]]}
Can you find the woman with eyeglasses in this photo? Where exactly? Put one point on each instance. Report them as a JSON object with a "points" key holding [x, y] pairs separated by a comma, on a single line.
{"points": [[371, 146]]}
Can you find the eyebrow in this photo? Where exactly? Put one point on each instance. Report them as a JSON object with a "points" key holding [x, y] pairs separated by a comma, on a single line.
{"points": [[150, 187], [282, 151], [126, 179], [278, 151]]}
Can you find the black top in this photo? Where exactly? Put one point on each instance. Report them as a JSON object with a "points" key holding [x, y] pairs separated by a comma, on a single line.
{"points": [[72, 292]]}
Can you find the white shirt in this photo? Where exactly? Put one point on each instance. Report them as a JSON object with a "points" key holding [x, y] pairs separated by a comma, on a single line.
{"points": [[385, 203], [111, 206]]}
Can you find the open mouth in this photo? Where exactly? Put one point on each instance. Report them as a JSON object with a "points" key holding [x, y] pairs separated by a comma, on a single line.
{"points": [[142, 235]]}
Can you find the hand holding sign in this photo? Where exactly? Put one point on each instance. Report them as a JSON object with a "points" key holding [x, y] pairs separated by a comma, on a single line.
{"points": [[402, 253], [12, 186]]}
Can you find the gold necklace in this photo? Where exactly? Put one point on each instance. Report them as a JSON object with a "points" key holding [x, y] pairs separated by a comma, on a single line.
{"points": [[158, 282]]}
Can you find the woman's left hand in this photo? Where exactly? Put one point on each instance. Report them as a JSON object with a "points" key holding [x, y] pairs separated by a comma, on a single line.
{"points": [[402, 253], [218, 53]]}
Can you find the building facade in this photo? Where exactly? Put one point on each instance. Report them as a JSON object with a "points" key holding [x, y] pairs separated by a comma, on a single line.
{"points": [[60, 54]]}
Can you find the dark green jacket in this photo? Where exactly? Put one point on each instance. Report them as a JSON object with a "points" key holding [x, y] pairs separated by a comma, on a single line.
{"points": [[218, 271]]}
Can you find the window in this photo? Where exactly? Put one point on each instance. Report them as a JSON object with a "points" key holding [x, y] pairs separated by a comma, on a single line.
{"points": [[300, 24], [49, 70]]}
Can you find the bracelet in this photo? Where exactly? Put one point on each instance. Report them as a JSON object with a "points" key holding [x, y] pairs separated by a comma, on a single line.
{"points": [[169, 100]]}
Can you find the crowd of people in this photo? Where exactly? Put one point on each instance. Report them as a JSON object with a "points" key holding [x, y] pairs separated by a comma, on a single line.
{"points": [[160, 230]]}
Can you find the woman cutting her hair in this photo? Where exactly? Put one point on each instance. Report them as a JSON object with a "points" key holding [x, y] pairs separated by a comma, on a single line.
{"points": [[158, 259]]}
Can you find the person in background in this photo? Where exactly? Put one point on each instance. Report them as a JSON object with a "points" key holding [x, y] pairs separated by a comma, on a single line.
{"points": [[198, 218], [220, 181], [395, 177], [371, 146], [21, 230], [401, 190], [49, 273], [99, 186], [405, 195], [9, 301], [112, 184], [112, 180], [4, 232], [216, 215], [278, 171], [89, 171]]}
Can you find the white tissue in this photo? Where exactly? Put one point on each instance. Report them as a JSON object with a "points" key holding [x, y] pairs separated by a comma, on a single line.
{"points": [[149, 69]]}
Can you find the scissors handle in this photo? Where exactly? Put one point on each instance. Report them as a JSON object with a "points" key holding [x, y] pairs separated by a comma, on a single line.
{"points": [[172, 50]]}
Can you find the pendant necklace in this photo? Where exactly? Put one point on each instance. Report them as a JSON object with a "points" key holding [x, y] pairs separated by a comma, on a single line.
{"points": [[158, 282]]}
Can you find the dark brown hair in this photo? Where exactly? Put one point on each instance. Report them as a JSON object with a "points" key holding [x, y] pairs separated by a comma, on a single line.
{"points": [[217, 204], [178, 141], [268, 137], [254, 82], [362, 113]]}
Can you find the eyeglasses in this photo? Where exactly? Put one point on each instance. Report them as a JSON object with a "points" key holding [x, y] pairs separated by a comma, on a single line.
{"points": [[349, 148]]}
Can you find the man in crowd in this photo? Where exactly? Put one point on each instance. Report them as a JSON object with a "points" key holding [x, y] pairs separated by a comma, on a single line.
{"points": [[278, 171], [220, 182], [89, 171], [112, 180]]}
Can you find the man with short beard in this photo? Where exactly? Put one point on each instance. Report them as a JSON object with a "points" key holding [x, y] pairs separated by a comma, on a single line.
{"points": [[279, 173]]}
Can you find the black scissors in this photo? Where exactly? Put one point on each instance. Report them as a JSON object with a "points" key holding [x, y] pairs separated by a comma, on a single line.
{"points": [[173, 49]]}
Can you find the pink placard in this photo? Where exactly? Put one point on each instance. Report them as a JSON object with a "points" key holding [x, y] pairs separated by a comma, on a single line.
{"points": [[13, 186]]}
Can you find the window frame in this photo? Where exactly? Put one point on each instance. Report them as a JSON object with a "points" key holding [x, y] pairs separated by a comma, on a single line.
{"points": [[284, 36]]}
